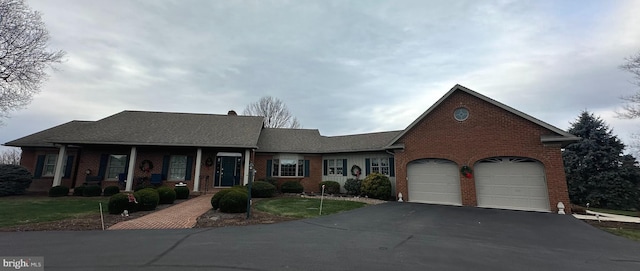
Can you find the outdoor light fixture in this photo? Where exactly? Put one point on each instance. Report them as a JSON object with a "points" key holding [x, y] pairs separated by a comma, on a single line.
{"points": [[88, 172]]}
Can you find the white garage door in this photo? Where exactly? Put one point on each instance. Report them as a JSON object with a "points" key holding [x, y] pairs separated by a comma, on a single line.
{"points": [[511, 183], [434, 181]]}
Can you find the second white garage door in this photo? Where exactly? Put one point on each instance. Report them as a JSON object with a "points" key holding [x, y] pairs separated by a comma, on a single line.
{"points": [[434, 181], [511, 183]]}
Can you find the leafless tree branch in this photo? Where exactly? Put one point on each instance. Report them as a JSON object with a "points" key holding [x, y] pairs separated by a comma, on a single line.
{"points": [[10, 157], [631, 106], [275, 113]]}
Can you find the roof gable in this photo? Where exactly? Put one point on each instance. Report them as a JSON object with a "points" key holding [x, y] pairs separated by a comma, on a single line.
{"points": [[42, 138], [561, 136]]}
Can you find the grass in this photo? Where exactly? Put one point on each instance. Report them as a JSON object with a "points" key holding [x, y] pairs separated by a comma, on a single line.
{"points": [[615, 212], [305, 207], [18, 210], [632, 234]]}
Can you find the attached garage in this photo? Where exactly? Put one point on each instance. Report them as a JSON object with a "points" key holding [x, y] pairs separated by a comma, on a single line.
{"points": [[511, 183], [434, 181]]}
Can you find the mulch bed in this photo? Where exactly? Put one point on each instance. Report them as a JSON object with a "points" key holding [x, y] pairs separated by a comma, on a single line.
{"points": [[613, 224]]}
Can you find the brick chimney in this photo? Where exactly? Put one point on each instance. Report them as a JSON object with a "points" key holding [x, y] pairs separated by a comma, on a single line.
{"points": [[232, 113]]}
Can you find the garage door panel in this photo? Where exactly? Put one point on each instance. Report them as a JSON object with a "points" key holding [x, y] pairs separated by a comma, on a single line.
{"points": [[434, 181], [511, 183]]}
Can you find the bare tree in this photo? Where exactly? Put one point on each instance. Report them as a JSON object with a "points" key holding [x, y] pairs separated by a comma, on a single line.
{"points": [[23, 55], [10, 157], [631, 107], [274, 111]]}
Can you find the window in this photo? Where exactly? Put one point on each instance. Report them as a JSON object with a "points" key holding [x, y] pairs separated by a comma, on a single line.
{"points": [[334, 167], [178, 167], [380, 165], [117, 163], [288, 166], [49, 167]]}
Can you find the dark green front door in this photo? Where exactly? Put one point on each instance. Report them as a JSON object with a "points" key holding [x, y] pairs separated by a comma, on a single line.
{"points": [[227, 171]]}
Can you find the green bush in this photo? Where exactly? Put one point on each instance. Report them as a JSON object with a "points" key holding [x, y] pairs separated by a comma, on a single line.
{"points": [[59, 191], [147, 198], [377, 186], [167, 195], [353, 186], [241, 187], [120, 202], [143, 186], [261, 189], [77, 191], [92, 191], [111, 190], [182, 192], [234, 202], [330, 187], [270, 180], [291, 187], [215, 199], [14, 180]]}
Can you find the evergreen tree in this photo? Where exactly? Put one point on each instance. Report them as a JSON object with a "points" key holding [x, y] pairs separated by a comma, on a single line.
{"points": [[597, 170]]}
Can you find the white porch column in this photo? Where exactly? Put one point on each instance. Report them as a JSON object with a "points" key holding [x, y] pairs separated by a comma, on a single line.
{"points": [[57, 176], [196, 183], [247, 160], [132, 168]]}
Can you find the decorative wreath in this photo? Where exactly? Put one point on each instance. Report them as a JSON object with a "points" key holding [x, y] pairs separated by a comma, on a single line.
{"points": [[466, 171], [146, 166], [208, 162], [356, 171]]}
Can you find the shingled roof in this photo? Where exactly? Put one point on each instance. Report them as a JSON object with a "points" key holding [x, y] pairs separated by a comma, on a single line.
{"points": [[163, 129], [310, 141], [43, 138]]}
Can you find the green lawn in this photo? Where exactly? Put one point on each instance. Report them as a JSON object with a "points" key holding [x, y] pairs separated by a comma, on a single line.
{"points": [[632, 234], [305, 207], [17, 210], [615, 212]]}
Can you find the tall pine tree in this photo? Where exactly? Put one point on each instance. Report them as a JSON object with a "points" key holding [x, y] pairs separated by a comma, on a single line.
{"points": [[597, 170]]}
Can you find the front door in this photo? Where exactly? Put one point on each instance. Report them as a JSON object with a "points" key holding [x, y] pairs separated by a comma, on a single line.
{"points": [[227, 171]]}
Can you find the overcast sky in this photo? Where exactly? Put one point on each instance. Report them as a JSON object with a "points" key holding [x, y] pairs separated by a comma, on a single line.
{"points": [[342, 67]]}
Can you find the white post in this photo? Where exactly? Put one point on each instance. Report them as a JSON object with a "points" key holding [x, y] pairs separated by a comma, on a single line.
{"points": [[57, 177], [196, 183], [247, 160], [321, 199], [132, 168]]}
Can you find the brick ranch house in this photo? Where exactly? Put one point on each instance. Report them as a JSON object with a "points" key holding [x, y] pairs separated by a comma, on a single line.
{"points": [[514, 160]]}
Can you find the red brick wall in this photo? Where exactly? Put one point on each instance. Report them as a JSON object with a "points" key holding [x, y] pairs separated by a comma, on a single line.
{"points": [[488, 132], [29, 160], [310, 183]]}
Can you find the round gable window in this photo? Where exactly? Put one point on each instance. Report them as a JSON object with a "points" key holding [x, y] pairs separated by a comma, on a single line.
{"points": [[461, 114]]}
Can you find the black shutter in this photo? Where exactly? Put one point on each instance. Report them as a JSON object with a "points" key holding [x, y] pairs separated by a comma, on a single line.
{"points": [[68, 167], [392, 167], [165, 167], [104, 159], [269, 167], [306, 168], [187, 176], [367, 166], [325, 166], [37, 173], [344, 167]]}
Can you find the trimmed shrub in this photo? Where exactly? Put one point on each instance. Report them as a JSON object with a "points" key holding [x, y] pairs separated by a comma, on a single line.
{"points": [[330, 187], [215, 199], [92, 191], [77, 191], [291, 187], [241, 187], [270, 180], [234, 202], [376, 186], [147, 198], [182, 192], [111, 190], [120, 202], [59, 191], [14, 180], [143, 186], [261, 189], [353, 186], [166, 194]]}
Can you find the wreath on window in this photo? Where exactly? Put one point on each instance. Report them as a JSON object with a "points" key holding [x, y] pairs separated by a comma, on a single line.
{"points": [[466, 171], [208, 162], [146, 166], [356, 171]]}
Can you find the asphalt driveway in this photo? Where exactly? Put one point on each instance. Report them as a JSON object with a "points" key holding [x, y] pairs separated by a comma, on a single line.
{"points": [[390, 236]]}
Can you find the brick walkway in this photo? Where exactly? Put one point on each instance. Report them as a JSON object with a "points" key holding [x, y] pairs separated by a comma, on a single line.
{"points": [[180, 216]]}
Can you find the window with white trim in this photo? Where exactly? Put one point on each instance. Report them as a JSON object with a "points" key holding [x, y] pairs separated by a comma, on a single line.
{"points": [[177, 167], [380, 165], [335, 167], [288, 166], [49, 166], [117, 163]]}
